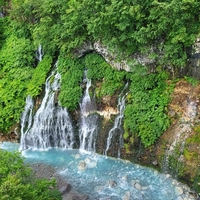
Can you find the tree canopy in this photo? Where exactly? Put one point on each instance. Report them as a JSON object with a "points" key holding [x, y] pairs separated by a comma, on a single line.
{"points": [[130, 26]]}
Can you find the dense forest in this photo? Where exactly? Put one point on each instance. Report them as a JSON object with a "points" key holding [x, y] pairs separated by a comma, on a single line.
{"points": [[163, 31]]}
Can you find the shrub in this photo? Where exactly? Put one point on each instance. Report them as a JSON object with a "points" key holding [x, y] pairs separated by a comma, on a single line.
{"points": [[145, 114], [18, 182], [71, 72]]}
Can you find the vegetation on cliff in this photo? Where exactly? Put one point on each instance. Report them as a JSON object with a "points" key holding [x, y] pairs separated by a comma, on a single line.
{"points": [[163, 30], [146, 113], [170, 27]]}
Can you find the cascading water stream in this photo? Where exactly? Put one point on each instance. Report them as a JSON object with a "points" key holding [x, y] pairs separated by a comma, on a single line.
{"points": [[26, 121], [51, 126], [88, 126], [1, 14], [181, 132], [117, 129], [39, 53]]}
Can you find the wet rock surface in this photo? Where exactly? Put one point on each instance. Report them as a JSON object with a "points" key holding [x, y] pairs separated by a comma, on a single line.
{"points": [[68, 193]]}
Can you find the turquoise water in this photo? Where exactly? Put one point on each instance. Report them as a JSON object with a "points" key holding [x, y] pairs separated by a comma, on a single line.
{"points": [[103, 177]]}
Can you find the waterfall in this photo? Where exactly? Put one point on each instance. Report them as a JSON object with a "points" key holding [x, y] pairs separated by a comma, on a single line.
{"points": [[26, 121], [117, 130], [88, 126], [51, 126], [39, 53]]}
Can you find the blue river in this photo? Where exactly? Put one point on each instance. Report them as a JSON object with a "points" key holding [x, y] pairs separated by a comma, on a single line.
{"points": [[103, 178]]}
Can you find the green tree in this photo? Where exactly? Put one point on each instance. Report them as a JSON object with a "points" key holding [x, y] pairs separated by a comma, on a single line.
{"points": [[17, 182], [16, 60]]}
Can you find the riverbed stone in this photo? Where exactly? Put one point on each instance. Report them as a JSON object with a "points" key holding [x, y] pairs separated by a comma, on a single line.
{"points": [[174, 182], [191, 196], [168, 176], [133, 182], [155, 172], [82, 165], [124, 178], [98, 188], [138, 186], [42, 170], [77, 156], [90, 163], [84, 197], [112, 183], [66, 187], [179, 190], [155, 162], [126, 196]]}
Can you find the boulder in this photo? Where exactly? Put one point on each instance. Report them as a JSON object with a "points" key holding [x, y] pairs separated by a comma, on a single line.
{"points": [[82, 165], [65, 188], [138, 186], [179, 190], [126, 196], [112, 183]]}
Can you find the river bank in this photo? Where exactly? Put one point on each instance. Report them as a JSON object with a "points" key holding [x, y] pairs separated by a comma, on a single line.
{"points": [[45, 171], [42, 170]]}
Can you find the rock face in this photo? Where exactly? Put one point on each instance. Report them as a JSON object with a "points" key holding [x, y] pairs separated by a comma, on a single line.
{"points": [[179, 145], [194, 61], [196, 48], [112, 57], [183, 128], [68, 193], [65, 188]]}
